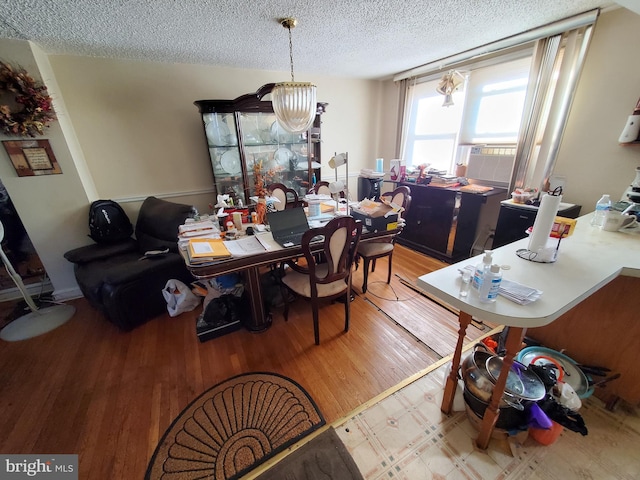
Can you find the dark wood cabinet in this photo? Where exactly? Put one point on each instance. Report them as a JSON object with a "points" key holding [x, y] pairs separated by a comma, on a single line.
{"points": [[514, 219], [442, 222], [242, 132]]}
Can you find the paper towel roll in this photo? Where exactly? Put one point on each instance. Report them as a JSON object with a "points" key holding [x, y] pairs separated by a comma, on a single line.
{"points": [[544, 222]]}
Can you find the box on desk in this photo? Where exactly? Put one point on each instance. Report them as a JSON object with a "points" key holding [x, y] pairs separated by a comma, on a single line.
{"points": [[372, 216]]}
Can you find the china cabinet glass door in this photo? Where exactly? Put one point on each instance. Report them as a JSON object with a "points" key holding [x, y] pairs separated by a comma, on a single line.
{"points": [[243, 135], [224, 152]]}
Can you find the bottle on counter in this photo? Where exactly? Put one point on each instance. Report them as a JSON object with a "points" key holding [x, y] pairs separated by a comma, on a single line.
{"points": [[490, 285], [602, 207], [481, 268]]}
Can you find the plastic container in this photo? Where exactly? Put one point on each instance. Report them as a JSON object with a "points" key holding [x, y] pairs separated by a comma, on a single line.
{"points": [[546, 437], [465, 282], [379, 165], [490, 286], [481, 268], [602, 207], [521, 197], [314, 208]]}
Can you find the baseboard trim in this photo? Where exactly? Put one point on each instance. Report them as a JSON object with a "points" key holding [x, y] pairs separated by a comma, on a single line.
{"points": [[67, 294], [34, 290]]}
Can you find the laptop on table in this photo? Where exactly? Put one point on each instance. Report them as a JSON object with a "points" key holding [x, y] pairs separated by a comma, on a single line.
{"points": [[288, 226]]}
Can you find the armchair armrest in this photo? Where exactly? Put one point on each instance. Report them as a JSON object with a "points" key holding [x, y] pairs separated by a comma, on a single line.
{"points": [[145, 268], [99, 251]]}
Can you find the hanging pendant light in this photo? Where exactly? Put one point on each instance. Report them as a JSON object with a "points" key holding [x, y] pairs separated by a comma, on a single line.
{"points": [[448, 84], [294, 103]]}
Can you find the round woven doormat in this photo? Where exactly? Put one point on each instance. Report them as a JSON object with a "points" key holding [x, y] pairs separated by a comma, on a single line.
{"points": [[234, 427]]}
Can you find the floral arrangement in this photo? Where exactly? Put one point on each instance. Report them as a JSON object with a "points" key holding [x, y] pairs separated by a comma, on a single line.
{"points": [[262, 178], [36, 110], [260, 181]]}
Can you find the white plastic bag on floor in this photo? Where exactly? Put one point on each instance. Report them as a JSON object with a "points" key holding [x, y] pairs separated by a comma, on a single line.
{"points": [[179, 298]]}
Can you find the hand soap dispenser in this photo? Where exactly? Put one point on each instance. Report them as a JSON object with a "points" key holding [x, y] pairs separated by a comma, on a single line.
{"points": [[481, 268]]}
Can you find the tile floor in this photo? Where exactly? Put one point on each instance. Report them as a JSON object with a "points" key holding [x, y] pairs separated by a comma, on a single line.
{"points": [[406, 436]]}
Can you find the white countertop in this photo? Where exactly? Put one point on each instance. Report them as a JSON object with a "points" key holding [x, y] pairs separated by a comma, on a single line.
{"points": [[587, 260], [511, 203]]}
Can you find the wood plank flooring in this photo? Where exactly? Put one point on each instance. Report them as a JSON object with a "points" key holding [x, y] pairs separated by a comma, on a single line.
{"points": [[108, 396]]}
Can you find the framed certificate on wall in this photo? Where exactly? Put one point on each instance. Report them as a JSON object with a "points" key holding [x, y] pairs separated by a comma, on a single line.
{"points": [[32, 157]]}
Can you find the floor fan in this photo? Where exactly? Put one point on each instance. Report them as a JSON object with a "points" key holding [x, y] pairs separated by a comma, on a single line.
{"points": [[39, 320]]}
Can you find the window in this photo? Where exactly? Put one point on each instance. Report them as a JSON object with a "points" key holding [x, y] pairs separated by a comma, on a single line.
{"points": [[487, 109], [495, 106], [432, 130]]}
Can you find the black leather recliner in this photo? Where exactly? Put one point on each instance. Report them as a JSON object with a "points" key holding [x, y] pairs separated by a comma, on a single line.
{"points": [[116, 280]]}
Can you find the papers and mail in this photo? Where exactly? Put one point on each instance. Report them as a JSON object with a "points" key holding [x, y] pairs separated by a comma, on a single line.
{"points": [[201, 251], [518, 293], [245, 246]]}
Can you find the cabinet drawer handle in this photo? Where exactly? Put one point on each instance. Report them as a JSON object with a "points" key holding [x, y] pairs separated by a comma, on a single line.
{"points": [[524, 217]]}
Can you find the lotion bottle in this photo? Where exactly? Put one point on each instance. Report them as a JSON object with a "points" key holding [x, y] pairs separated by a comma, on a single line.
{"points": [[481, 268]]}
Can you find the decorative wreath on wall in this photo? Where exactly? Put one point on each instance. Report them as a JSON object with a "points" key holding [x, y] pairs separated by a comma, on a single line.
{"points": [[31, 110]]}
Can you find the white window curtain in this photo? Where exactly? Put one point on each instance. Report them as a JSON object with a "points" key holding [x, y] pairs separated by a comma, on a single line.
{"points": [[555, 70]]}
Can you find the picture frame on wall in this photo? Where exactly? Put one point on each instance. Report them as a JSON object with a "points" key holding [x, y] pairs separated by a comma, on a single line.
{"points": [[32, 157]]}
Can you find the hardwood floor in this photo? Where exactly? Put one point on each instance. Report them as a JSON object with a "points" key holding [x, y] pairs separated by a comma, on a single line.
{"points": [[108, 396]]}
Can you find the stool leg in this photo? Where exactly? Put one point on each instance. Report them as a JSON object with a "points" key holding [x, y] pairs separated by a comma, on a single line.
{"points": [[390, 263]]}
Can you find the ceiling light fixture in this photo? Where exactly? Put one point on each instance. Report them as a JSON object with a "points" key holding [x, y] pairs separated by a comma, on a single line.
{"points": [[294, 103], [448, 84]]}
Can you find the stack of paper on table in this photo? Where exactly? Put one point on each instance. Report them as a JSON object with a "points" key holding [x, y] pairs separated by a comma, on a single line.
{"points": [[202, 250], [197, 229]]}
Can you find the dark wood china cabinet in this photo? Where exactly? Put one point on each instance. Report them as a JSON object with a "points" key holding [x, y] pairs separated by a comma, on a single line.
{"points": [[244, 131]]}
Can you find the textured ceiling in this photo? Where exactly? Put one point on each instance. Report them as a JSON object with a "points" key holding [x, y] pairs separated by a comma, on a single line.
{"points": [[354, 38]]}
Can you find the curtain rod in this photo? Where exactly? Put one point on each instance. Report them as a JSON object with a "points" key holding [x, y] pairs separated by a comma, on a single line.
{"points": [[550, 29]]}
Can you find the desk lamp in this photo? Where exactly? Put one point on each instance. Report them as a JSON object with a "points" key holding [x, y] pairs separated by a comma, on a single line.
{"points": [[340, 186], [40, 320]]}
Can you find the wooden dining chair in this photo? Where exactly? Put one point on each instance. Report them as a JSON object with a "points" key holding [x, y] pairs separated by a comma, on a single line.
{"points": [[331, 278], [288, 197], [321, 188], [369, 252]]}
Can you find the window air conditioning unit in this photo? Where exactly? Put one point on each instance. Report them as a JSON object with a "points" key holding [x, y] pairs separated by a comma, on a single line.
{"points": [[491, 165]]}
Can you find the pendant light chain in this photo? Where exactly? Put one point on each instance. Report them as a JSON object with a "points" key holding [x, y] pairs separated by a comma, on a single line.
{"points": [[291, 53]]}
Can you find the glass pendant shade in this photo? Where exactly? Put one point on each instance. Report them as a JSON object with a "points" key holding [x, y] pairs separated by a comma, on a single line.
{"points": [[294, 104]]}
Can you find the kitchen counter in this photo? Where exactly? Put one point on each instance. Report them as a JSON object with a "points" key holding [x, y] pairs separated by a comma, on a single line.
{"points": [[587, 261]]}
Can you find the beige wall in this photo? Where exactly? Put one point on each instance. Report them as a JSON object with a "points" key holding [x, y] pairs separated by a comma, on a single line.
{"points": [[609, 88], [141, 133], [51, 207], [134, 131]]}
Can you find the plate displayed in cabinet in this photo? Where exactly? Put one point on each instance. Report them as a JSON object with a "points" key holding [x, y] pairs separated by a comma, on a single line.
{"points": [[218, 133], [280, 135], [283, 156], [230, 162]]}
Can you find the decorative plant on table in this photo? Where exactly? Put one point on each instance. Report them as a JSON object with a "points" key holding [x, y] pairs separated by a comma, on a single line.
{"points": [[260, 181]]}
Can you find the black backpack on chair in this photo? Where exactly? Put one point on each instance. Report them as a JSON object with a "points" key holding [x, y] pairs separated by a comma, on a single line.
{"points": [[108, 222]]}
